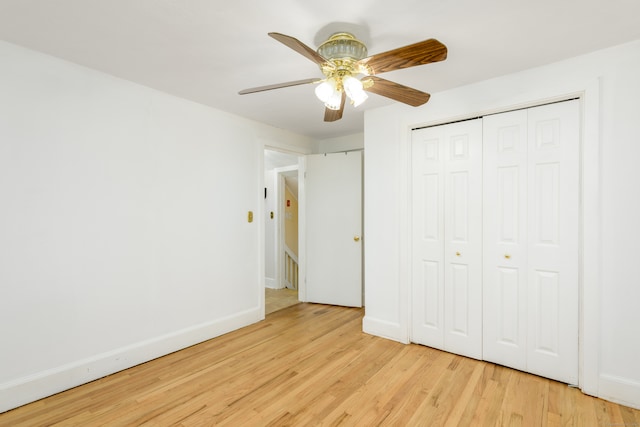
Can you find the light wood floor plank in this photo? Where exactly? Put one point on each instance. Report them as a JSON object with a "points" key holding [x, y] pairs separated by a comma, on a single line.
{"points": [[277, 299], [312, 365]]}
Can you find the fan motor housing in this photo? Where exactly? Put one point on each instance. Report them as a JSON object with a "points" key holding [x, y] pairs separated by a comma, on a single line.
{"points": [[343, 46], [342, 51]]}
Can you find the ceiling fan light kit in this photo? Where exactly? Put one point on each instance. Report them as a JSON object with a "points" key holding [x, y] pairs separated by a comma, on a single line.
{"points": [[343, 57], [354, 90]]}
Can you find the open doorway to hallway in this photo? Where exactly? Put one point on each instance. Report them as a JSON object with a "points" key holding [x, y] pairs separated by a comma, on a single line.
{"points": [[281, 229]]}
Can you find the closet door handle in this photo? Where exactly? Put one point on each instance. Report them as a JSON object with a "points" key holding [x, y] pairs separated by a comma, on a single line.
{"points": [[507, 256], [458, 254]]}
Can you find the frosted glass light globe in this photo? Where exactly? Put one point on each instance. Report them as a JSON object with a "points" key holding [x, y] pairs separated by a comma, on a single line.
{"points": [[335, 101], [324, 90], [353, 89]]}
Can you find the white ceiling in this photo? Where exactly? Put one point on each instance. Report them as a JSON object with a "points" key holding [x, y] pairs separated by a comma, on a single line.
{"points": [[208, 50]]}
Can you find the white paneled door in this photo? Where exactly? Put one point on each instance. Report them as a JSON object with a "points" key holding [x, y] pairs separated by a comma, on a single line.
{"points": [[447, 237], [531, 237], [505, 239], [495, 243], [333, 186]]}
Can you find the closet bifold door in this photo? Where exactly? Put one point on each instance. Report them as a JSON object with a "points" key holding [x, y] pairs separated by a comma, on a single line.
{"points": [[505, 237], [531, 240], [447, 237], [553, 241]]}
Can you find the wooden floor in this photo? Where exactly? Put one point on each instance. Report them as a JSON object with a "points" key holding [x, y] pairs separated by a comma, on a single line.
{"points": [[310, 365], [277, 299]]}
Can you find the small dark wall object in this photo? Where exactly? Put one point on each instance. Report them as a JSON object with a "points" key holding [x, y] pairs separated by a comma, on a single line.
{"points": [[265, 192]]}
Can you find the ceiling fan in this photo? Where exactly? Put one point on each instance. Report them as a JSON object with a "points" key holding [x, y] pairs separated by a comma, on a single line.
{"points": [[343, 57]]}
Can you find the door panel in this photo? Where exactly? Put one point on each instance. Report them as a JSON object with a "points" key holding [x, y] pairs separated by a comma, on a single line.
{"points": [[333, 186], [431, 203], [546, 200], [545, 304], [508, 206], [447, 237], [431, 309], [553, 249], [427, 245], [531, 214], [504, 243], [459, 207], [459, 316], [463, 238], [509, 332]]}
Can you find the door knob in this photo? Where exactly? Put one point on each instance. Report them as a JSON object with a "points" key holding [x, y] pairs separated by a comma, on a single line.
{"points": [[457, 253], [356, 238], [507, 256]]}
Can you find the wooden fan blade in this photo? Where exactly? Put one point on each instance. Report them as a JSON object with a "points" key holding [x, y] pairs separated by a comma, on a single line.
{"points": [[419, 53], [278, 86], [299, 47], [396, 91], [333, 115]]}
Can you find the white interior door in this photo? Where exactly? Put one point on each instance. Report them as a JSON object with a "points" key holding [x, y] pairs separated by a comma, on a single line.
{"points": [[553, 241], [463, 239], [333, 186], [447, 242], [531, 220], [428, 237], [505, 239]]}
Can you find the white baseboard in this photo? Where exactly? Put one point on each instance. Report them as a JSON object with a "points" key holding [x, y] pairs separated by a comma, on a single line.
{"points": [[42, 384], [619, 390], [384, 329], [271, 283]]}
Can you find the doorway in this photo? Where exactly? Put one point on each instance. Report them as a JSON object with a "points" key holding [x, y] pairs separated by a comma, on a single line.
{"points": [[282, 232], [327, 188]]}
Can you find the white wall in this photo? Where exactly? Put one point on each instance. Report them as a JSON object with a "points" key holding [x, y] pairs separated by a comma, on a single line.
{"points": [[341, 143], [608, 82], [123, 223]]}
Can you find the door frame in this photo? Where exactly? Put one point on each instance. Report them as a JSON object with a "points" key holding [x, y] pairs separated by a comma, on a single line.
{"points": [[262, 146], [590, 222]]}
